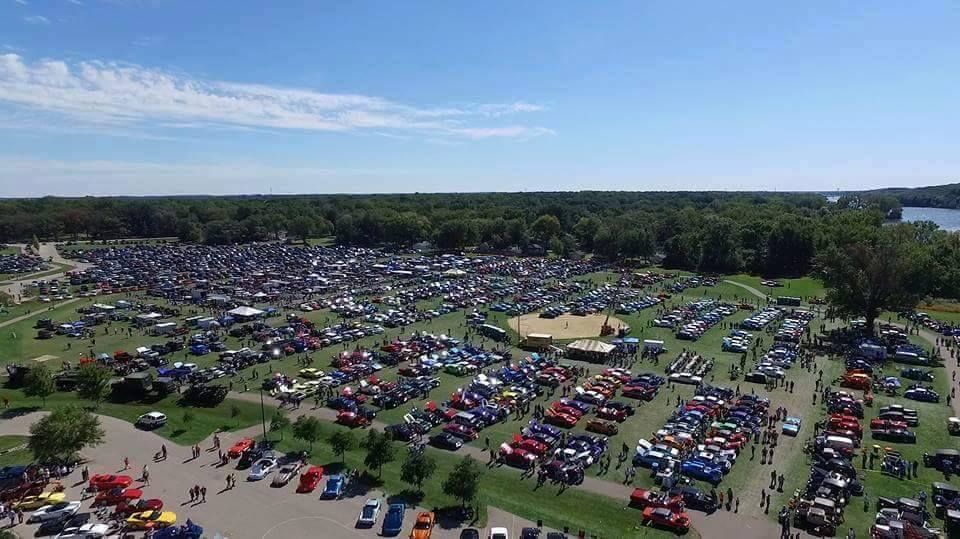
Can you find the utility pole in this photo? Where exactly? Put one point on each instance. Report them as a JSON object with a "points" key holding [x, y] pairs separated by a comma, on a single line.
{"points": [[263, 415]]}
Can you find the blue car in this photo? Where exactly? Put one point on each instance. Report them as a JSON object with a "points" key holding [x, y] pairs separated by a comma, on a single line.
{"points": [[393, 522], [334, 488], [702, 471]]}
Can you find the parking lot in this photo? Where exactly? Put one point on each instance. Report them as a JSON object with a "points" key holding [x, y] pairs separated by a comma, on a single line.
{"points": [[250, 510]]}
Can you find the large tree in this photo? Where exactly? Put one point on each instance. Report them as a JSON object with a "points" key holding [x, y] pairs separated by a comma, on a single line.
{"points": [[39, 383], [93, 383], [342, 441], [417, 468], [889, 270], [63, 433], [379, 450], [463, 482], [307, 429]]}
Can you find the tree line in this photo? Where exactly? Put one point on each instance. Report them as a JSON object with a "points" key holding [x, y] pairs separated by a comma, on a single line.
{"points": [[775, 234]]}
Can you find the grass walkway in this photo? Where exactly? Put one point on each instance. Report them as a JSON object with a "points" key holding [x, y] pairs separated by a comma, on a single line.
{"points": [[204, 421]]}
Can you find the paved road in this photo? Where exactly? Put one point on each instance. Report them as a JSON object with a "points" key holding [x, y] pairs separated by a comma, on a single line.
{"points": [[49, 252], [251, 510]]}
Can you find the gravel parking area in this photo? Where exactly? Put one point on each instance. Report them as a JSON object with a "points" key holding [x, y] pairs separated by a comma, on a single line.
{"points": [[250, 510]]}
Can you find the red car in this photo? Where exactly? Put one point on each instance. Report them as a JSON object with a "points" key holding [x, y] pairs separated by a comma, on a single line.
{"points": [[100, 482], [878, 424], [644, 498], [560, 419], [518, 458], [126, 509], [613, 414], [665, 518], [639, 392], [352, 420], [568, 410], [530, 445], [240, 448], [310, 479], [602, 427], [463, 432], [117, 495]]}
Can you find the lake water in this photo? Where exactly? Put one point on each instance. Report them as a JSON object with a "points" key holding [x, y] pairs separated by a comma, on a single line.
{"points": [[944, 218]]}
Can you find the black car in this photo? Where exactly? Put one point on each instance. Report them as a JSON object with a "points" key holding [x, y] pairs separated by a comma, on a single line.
{"points": [[248, 458], [695, 498], [446, 441], [529, 533], [401, 433], [470, 533], [895, 435]]}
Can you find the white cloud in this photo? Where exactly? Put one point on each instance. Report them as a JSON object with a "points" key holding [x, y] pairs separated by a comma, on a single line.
{"points": [[21, 2], [39, 177], [75, 2], [36, 19], [108, 93]]}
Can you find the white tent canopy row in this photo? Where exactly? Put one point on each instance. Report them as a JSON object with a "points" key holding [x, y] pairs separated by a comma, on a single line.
{"points": [[246, 312], [591, 346]]}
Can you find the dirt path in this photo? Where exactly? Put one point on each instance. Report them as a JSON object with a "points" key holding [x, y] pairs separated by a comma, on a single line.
{"points": [[40, 310], [748, 288]]}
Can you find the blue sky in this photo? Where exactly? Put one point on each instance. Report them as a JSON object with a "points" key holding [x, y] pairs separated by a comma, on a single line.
{"points": [[176, 97]]}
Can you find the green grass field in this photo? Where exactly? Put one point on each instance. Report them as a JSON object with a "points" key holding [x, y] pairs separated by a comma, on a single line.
{"points": [[16, 457], [803, 287]]}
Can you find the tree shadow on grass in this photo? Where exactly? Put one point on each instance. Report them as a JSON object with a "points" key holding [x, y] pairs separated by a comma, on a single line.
{"points": [[178, 432], [408, 497], [12, 413], [452, 517]]}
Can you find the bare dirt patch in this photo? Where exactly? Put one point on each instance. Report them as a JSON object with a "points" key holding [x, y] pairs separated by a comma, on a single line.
{"points": [[566, 326]]}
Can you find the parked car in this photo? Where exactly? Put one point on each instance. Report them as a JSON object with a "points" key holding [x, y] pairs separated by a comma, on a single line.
{"points": [[152, 420], [310, 479], [665, 518], [262, 468], [334, 487], [369, 513], [100, 482], [238, 449], [423, 526], [286, 473], [393, 521], [54, 512]]}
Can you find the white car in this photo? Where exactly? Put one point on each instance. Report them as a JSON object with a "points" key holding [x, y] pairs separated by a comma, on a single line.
{"points": [[499, 533], [54, 512], [286, 473], [262, 468], [87, 531], [369, 513], [152, 420]]}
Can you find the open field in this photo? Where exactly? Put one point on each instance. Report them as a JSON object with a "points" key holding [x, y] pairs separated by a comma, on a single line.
{"points": [[564, 327]]}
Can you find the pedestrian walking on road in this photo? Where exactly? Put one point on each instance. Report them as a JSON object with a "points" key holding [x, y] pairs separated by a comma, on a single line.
{"points": [[193, 493], [163, 452], [203, 494], [126, 463]]}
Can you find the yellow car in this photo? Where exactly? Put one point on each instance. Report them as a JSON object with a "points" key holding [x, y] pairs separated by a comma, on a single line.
{"points": [[38, 501], [152, 519], [311, 373]]}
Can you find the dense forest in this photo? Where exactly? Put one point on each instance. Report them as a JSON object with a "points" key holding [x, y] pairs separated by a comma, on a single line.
{"points": [[935, 196], [773, 234]]}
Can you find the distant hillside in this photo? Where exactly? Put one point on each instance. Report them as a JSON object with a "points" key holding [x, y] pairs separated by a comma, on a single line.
{"points": [[934, 196]]}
